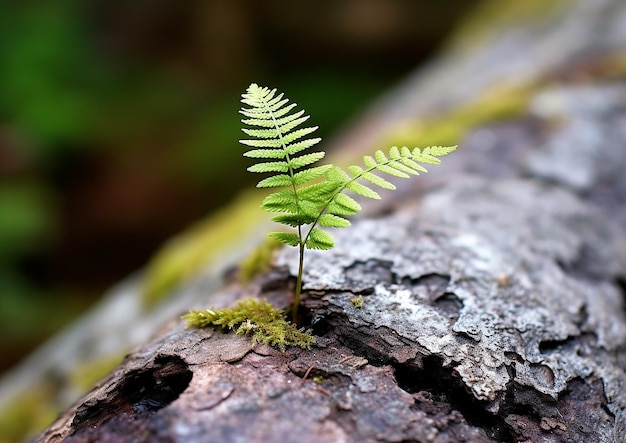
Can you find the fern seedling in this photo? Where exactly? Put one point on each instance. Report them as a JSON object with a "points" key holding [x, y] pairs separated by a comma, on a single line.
{"points": [[312, 197]]}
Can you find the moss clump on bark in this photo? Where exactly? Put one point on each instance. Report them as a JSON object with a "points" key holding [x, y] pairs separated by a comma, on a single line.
{"points": [[254, 318]]}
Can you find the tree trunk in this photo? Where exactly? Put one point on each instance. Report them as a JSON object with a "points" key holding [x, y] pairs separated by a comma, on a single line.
{"points": [[493, 289]]}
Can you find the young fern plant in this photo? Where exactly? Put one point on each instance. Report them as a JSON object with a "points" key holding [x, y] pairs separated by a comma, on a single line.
{"points": [[309, 197]]}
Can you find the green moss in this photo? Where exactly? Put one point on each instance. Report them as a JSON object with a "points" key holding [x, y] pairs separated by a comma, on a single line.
{"points": [[357, 301], [28, 414], [256, 319], [259, 260], [319, 379]]}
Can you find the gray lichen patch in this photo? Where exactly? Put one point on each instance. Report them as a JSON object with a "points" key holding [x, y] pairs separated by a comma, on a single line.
{"points": [[502, 247]]}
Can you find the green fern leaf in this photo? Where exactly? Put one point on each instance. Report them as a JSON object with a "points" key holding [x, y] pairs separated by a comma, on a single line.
{"points": [[308, 175], [265, 153], [308, 208], [369, 161], [281, 201], [270, 167], [349, 205], [318, 193], [263, 143], [337, 175], [425, 156], [381, 157], [306, 159], [333, 221], [275, 181], [438, 151], [288, 238], [288, 137], [259, 133], [362, 190], [294, 148], [294, 220], [394, 153], [401, 172], [294, 123], [378, 181], [318, 239]]}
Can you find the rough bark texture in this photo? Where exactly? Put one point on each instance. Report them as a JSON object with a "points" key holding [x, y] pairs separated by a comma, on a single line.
{"points": [[492, 311], [493, 307]]}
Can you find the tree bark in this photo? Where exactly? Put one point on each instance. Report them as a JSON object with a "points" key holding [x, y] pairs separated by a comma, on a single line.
{"points": [[493, 298]]}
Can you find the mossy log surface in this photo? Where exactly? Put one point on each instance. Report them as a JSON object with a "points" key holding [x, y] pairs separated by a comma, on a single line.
{"points": [[493, 310]]}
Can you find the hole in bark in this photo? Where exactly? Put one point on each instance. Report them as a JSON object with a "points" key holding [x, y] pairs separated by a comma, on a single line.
{"points": [[141, 391], [449, 305], [320, 324], [547, 346], [443, 385]]}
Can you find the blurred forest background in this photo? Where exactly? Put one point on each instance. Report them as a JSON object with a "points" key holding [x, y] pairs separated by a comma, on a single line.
{"points": [[119, 124]]}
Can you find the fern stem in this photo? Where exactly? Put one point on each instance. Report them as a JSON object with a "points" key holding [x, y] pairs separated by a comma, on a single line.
{"points": [[296, 297]]}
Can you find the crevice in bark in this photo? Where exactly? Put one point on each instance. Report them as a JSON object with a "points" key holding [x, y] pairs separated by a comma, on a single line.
{"points": [[577, 343], [140, 391], [440, 385], [621, 284], [371, 347], [534, 416]]}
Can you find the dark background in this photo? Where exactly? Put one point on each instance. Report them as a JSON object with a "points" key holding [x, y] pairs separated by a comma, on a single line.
{"points": [[119, 124]]}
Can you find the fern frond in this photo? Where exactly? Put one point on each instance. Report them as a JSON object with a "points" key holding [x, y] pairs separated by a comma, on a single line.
{"points": [[313, 197], [399, 162], [279, 137]]}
